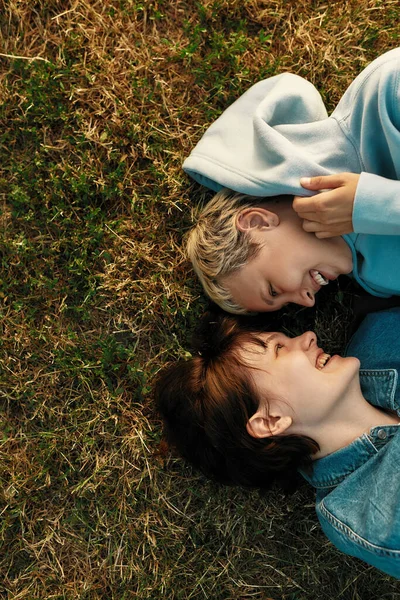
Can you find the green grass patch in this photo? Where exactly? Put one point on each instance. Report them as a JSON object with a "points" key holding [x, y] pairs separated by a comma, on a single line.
{"points": [[98, 111]]}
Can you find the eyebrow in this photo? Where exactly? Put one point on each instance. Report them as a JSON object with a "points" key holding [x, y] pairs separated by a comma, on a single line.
{"points": [[270, 339]]}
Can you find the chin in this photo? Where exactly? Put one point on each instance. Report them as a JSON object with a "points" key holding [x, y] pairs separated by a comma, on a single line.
{"points": [[338, 361], [355, 361], [353, 365]]}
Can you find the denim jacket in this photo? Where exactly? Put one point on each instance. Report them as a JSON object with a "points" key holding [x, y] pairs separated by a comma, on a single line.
{"points": [[358, 487]]}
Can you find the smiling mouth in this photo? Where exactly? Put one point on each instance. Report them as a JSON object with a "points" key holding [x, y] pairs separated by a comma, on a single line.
{"points": [[318, 277], [322, 360]]}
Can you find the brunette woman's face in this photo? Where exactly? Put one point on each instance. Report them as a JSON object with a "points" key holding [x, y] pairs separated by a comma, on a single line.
{"points": [[296, 372]]}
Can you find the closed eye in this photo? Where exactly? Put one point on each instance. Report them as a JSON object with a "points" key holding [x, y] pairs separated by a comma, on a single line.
{"points": [[272, 291]]}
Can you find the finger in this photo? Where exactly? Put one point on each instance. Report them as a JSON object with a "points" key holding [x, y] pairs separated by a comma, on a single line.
{"points": [[300, 203], [309, 216], [306, 206], [323, 182], [331, 228], [321, 235], [315, 205], [313, 226], [327, 219], [334, 230]]}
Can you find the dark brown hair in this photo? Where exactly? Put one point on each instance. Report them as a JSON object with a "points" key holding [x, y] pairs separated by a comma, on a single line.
{"points": [[205, 403]]}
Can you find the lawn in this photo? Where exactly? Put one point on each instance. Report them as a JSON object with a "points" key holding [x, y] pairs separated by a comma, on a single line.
{"points": [[100, 102]]}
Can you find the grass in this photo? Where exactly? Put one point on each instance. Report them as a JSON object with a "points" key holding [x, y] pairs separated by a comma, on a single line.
{"points": [[100, 103]]}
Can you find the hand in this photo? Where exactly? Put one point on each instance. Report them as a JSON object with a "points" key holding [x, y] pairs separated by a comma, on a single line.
{"points": [[329, 213]]}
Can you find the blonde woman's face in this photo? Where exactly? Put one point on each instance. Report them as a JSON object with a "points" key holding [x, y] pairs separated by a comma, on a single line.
{"points": [[291, 266]]}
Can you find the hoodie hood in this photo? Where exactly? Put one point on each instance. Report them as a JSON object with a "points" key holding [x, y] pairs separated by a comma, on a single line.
{"points": [[279, 131]]}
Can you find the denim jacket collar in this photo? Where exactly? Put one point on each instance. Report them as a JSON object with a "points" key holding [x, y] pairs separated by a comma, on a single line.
{"points": [[379, 387]]}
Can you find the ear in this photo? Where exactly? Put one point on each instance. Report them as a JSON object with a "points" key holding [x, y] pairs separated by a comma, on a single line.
{"points": [[256, 217], [262, 425]]}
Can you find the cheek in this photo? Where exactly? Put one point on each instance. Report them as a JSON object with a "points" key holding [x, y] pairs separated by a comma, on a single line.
{"points": [[290, 268], [295, 374], [299, 366], [310, 387]]}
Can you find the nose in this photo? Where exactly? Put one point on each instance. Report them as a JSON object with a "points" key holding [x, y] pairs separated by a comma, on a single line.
{"points": [[304, 341], [304, 297]]}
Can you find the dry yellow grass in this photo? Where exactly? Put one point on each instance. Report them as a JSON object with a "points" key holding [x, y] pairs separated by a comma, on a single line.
{"points": [[97, 114]]}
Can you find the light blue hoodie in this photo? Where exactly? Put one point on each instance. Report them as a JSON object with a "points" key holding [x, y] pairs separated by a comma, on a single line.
{"points": [[279, 131]]}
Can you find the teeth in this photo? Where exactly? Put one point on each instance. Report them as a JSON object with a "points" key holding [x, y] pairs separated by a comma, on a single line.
{"points": [[322, 360], [318, 278]]}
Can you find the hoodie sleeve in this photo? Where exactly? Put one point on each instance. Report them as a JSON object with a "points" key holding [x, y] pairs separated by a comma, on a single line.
{"points": [[377, 205], [369, 114]]}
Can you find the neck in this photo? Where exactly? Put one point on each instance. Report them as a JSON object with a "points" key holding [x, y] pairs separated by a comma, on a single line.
{"points": [[353, 417], [344, 251]]}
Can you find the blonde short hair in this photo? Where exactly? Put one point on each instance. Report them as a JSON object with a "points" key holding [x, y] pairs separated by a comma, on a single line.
{"points": [[217, 248]]}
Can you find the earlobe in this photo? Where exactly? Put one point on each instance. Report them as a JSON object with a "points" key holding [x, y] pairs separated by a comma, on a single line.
{"points": [[262, 426], [256, 218]]}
